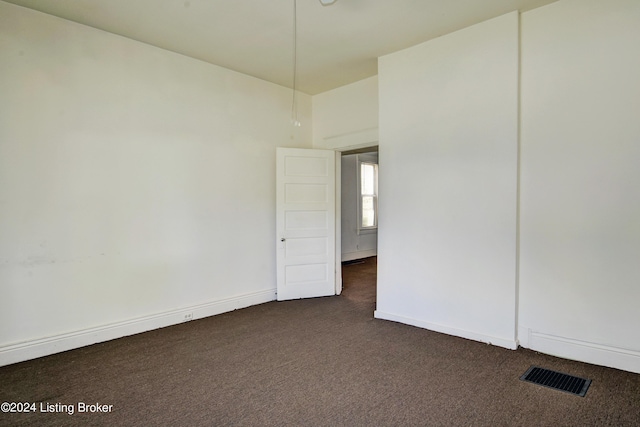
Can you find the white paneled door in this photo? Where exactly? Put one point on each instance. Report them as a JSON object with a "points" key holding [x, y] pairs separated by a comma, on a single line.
{"points": [[306, 225]]}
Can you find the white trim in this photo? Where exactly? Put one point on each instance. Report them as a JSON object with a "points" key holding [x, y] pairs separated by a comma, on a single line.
{"points": [[338, 222], [368, 230], [19, 352], [500, 342], [584, 351], [352, 140], [350, 256]]}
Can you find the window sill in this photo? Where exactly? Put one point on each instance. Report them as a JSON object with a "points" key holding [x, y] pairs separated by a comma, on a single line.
{"points": [[370, 230]]}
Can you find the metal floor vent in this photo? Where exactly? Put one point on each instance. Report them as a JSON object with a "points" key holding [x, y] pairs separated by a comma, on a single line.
{"points": [[557, 380]]}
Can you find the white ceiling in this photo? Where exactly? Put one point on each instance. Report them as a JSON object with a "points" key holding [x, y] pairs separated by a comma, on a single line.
{"points": [[337, 44]]}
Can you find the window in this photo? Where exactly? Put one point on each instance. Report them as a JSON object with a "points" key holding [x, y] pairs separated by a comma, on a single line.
{"points": [[368, 197]]}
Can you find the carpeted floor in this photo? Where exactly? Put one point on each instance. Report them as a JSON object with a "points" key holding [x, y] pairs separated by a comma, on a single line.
{"points": [[317, 362]]}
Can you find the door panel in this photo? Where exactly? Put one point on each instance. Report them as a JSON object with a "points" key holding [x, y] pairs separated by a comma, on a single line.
{"points": [[305, 229]]}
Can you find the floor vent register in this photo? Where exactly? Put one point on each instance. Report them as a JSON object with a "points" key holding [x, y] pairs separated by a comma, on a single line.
{"points": [[557, 380]]}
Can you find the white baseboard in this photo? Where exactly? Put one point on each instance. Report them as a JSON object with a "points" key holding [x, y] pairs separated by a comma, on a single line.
{"points": [[500, 342], [19, 352], [350, 256], [583, 351]]}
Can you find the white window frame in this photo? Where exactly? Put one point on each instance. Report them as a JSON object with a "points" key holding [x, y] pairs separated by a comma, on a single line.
{"points": [[374, 228]]}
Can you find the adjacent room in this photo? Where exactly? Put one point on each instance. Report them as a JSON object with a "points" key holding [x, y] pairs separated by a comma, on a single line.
{"points": [[182, 181]]}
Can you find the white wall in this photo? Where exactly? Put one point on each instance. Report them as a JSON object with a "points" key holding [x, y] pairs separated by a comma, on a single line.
{"points": [[355, 245], [347, 117], [136, 185], [448, 168], [580, 229]]}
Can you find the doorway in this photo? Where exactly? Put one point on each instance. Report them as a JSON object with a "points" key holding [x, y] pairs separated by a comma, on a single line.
{"points": [[359, 218]]}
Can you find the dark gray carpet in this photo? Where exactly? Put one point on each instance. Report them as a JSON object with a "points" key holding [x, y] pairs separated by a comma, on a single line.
{"points": [[317, 362]]}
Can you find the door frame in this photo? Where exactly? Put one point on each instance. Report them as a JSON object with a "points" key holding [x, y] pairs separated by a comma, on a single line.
{"points": [[338, 222]]}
